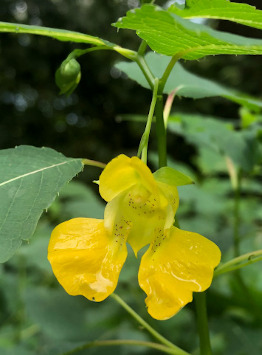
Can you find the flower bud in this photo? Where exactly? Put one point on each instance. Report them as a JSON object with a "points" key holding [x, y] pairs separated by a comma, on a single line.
{"points": [[67, 76]]}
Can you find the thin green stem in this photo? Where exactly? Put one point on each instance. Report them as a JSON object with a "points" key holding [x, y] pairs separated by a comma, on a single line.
{"points": [[161, 133], [116, 342], [140, 60], [79, 52], [202, 323], [90, 162], [167, 72], [142, 48], [237, 215], [127, 53], [239, 262], [145, 325], [143, 146]]}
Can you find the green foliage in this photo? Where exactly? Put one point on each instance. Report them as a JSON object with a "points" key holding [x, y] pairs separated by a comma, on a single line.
{"points": [[171, 35], [64, 35], [61, 35], [241, 147], [171, 176], [185, 83], [220, 9], [29, 183]]}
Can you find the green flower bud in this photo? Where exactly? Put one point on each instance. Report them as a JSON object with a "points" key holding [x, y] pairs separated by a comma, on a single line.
{"points": [[67, 76]]}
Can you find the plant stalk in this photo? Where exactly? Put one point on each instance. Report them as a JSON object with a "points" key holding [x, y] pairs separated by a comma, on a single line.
{"points": [[116, 342], [142, 48], [167, 72], [143, 146], [202, 323], [239, 262], [140, 60], [148, 327], [90, 162], [237, 214], [161, 133]]}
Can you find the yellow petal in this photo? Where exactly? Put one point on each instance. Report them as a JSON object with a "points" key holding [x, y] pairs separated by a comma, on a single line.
{"points": [[121, 173], [85, 259], [175, 265], [141, 211], [171, 194]]}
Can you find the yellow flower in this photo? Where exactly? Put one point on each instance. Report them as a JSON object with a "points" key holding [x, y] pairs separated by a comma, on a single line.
{"points": [[137, 202], [87, 254]]}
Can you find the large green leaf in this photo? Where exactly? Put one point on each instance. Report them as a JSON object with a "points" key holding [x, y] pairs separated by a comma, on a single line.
{"points": [[30, 179], [169, 34], [184, 83], [220, 9], [63, 35]]}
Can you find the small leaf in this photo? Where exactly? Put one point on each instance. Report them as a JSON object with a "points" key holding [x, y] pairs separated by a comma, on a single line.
{"points": [[171, 176], [221, 10], [30, 179], [169, 34]]}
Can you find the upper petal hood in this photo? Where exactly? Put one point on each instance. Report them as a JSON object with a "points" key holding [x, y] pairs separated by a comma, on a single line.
{"points": [[121, 173]]}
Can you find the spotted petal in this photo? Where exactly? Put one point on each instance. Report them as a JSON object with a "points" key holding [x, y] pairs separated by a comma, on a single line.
{"points": [[171, 194], [175, 265], [142, 211], [85, 259], [123, 172]]}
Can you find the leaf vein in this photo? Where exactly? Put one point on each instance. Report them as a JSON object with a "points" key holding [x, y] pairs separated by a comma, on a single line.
{"points": [[35, 172]]}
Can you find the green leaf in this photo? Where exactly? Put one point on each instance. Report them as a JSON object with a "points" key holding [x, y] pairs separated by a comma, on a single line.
{"points": [[61, 35], [169, 34], [171, 176], [222, 10], [241, 146], [64, 35], [30, 179], [184, 83], [57, 314], [210, 162]]}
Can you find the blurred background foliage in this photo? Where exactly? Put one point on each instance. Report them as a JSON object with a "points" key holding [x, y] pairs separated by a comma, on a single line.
{"points": [[36, 315]]}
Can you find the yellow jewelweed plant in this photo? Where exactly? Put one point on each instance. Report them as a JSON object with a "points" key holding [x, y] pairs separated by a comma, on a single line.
{"points": [[88, 254]]}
